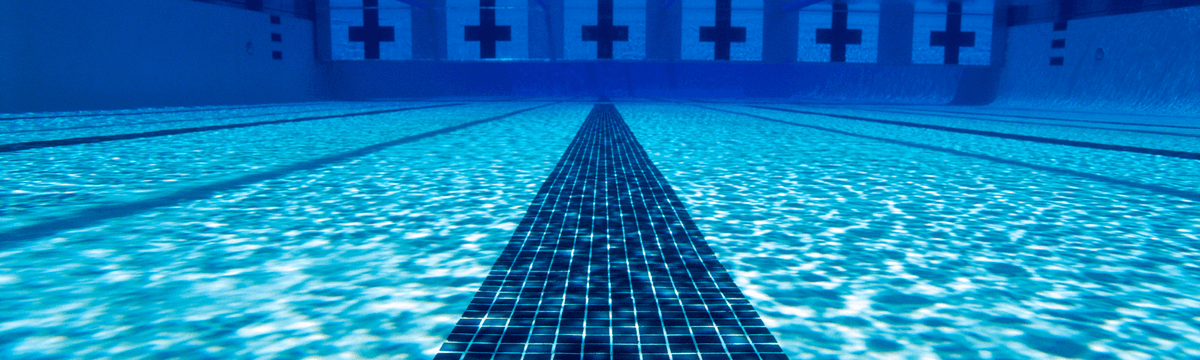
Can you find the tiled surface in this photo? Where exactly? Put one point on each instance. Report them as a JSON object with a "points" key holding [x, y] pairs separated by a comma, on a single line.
{"points": [[608, 264]]}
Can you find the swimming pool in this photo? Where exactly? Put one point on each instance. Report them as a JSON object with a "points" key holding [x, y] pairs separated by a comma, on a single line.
{"points": [[366, 229]]}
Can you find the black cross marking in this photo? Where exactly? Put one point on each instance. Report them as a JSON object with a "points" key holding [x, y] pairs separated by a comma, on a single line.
{"points": [[953, 38], [487, 33], [839, 35], [371, 34], [604, 33], [724, 33]]}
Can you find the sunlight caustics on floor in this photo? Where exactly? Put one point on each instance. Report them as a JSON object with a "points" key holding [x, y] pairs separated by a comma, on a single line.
{"points": [[365, 229]]}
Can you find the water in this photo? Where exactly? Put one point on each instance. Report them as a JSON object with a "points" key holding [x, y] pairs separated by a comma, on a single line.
{"points": [[852, 239]]}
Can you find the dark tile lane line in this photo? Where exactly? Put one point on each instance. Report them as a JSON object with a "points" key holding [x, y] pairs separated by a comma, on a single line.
{"points": [[1038, 139], [1164, 190], [1088, 112], [145, 112], [1065, 120], [934, 114], [105, 138], [165, 121], [98, 214], [873, 107], [607, 264]]}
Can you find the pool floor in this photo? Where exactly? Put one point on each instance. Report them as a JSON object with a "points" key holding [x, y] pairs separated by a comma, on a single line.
{"points": [[372, 229]]}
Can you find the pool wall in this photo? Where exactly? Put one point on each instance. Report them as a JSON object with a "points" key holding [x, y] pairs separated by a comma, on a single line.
{"points": [[109, 54], [1147, 62], [350, 80]]}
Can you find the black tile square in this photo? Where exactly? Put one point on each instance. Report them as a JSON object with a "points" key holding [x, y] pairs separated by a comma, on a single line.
{"points": [[653, 349]]}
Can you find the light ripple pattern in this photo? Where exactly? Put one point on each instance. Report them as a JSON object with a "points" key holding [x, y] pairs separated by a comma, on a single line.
{"points": [[375, 257], [855, 248], [50, 182]]}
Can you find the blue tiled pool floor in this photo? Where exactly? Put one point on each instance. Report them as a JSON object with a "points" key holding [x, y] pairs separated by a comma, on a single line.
{"points": [[370, 236]]}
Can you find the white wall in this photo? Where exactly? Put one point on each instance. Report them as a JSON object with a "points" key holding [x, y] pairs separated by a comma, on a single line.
{"points": [[104, 54], [1151, 64]]}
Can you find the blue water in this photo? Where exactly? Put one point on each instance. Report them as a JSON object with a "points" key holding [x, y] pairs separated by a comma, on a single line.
{"points": [[359, 237]]}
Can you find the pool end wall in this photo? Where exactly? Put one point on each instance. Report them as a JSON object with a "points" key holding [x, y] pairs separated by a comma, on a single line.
{"points": [[111, 54], [1147, 62], [808, 82], [108, 54]]}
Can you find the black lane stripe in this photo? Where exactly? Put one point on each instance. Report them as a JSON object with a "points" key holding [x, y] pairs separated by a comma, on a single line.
{"points": [[98, 214], [1185, 194], [167, 121], [1066, 120], [607, 264], [1038, 139], [1092, 112], [144, 112], [133, 124], [935, 114], [97, 139]]}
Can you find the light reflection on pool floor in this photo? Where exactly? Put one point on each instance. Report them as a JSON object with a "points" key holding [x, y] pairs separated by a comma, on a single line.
{"points": [[859, 248], [848, 247]]}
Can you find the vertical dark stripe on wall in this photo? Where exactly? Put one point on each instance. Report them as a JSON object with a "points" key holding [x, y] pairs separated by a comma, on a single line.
{"points": [[664, 29], [429, 30], [1066, 10], [607, 264]]}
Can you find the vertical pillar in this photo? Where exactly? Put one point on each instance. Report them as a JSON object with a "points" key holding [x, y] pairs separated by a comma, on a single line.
{"points": [[999, 32], [895, 32], [781, 32], [429, 30], [664, 29], [546, 29], [1066, 10], [321, 26]]}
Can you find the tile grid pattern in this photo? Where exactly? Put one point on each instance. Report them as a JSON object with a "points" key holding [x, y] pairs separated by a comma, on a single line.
{"points": [[608, 264]]}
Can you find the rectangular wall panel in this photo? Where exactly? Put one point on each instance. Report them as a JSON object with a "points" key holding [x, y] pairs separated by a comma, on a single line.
{"points": [[463, 13], [861, 17], [976, 19], [345, 14], [747, 14], [629, 13]]}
